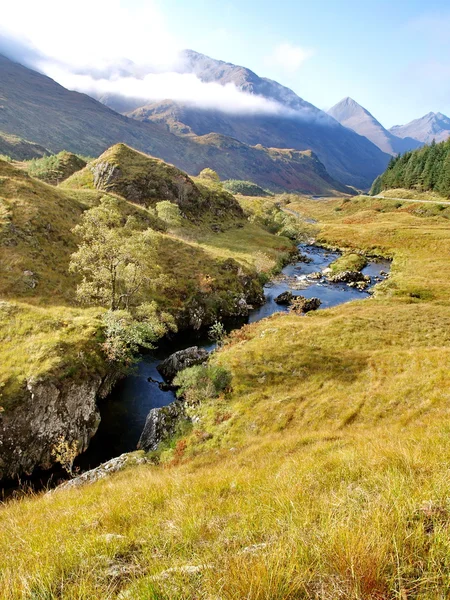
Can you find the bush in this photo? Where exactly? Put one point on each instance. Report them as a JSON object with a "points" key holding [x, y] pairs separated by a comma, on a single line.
{"points": [[245, 188], [202, 382]]}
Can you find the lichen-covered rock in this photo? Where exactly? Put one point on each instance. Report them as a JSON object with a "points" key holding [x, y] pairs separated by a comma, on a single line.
{"points": [[48, 411], [103, 470], [301, 305], [161, 424], [284, 298], [182, 360]]}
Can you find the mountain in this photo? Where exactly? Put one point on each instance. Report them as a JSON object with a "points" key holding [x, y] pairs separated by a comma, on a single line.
{"points": [[425, 170], [348, 157], [433, 126], [354, 116], [35, 107]]}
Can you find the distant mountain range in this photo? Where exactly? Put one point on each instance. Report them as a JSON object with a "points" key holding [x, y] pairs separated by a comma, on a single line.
{"points": [[352, 115], [36, 108], [347, 156], [296, 148], [433, 126]]}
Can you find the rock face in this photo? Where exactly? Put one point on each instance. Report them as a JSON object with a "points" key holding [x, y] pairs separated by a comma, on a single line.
{"points": [[50, 410], [182, 360], [161, 425], [284, 298]]}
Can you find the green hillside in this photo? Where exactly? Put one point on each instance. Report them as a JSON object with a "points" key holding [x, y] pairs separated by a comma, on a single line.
{"points": [[322, 473], [45, 330], [424, 170]]}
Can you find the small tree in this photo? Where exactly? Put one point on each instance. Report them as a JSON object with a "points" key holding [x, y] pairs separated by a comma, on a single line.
{"points": [[209, 174], [217, 333], [115, 257], [169, 213]]}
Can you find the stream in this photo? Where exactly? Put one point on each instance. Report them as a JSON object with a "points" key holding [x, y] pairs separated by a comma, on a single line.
{"points": [[124, 411]]}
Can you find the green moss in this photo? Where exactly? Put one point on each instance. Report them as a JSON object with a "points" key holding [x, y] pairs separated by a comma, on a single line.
{"points": [[348, 262]]}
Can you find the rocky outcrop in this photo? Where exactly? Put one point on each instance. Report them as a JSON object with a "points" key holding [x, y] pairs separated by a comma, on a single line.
{"points": [[285, 298], [161, 425], [47, 412], [180, 360], [103, 470]]}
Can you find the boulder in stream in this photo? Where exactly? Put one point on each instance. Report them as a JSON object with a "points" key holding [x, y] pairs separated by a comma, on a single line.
{"points": [[284, 298], [301, 305], [348, 277], [182, 360]]}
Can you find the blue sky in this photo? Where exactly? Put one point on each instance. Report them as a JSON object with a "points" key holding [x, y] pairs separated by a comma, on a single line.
{"points": [[393, 57]]}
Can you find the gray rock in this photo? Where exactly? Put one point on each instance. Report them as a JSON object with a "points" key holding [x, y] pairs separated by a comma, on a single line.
{"points": [[182, 360], [347, 277], [284, 298], [102, 471], [47, 411], [300, 304], [161, 424]]}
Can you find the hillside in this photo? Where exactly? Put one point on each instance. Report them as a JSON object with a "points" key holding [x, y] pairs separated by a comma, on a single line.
{"points": [[432, 126], [425, 169], [53, 361], [348, 157], [17, 148], [352, 115], [77, 123], [319, 474]]}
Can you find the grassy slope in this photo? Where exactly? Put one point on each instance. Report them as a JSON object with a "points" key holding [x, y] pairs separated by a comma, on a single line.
{"points": [[323, 474], [42, 330], [17, 148]]}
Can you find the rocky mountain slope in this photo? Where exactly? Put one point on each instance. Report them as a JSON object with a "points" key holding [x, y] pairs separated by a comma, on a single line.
{"points": [[348, 157], [354, 116], [432, 126], [72, 121]]}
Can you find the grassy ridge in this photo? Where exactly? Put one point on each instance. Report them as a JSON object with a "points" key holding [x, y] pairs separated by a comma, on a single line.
{"points": [[44, 332], [322, 474]]}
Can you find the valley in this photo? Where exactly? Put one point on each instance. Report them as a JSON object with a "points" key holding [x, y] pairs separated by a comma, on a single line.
{"points": [[224, 309]]}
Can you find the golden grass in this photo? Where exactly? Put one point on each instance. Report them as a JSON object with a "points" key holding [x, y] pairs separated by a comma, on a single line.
{"points": [[325, 471]]}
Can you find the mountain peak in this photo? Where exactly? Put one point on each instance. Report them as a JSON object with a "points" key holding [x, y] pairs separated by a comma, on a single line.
{"points": [[354, 116], [432, 126]]}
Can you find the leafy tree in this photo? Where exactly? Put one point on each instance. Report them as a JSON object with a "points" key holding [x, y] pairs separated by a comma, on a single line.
{"points": [[209, 174], [115, 257], [169, 213]]}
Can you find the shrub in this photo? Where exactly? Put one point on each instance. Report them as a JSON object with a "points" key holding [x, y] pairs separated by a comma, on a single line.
{"points": [[202, 382]]}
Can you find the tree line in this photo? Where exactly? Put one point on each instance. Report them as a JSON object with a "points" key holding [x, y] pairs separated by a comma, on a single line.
{"points": [[425, 169]]}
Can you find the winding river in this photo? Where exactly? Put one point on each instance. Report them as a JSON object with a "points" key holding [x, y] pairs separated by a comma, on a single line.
{"points": [[124, 411]]}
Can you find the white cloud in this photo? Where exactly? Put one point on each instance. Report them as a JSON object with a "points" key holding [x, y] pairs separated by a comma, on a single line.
{"points": [[180, 87], [289, 57], [106, 47], [93, 32]]}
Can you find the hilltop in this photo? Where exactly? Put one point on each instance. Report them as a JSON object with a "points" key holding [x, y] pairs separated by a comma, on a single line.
{"points": [[354, 116]]}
